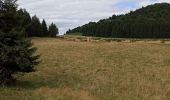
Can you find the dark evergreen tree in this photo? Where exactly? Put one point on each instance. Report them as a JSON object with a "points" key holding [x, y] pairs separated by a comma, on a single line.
{"points": [[53, 30], [44, 28], [36, 28], [31, 27], [16, 52], [8, 20], [25, 22]]}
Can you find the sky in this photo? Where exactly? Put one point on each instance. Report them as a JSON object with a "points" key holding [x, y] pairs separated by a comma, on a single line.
{"points": [[68, 14]]}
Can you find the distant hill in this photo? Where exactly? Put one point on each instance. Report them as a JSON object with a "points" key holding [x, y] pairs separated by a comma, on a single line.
{"points": [[152, 21]]}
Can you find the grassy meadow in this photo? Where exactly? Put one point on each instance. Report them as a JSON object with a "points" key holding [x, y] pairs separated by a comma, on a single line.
{"points": [[96, 70]]}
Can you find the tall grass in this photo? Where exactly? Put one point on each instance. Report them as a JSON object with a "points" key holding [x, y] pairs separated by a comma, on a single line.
{"points": [[95, 71]]}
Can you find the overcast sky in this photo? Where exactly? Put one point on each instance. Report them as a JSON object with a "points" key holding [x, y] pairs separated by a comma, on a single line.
{"points": [[72, 13]]}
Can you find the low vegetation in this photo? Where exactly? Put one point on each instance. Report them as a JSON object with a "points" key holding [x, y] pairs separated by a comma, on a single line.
{"points": [[72, 70]]}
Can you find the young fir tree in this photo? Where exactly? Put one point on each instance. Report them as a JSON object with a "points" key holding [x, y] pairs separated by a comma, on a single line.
{"points": [[53, 30], [16, 52]]}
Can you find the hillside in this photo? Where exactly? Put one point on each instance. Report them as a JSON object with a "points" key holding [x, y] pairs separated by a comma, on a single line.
{"points": [[152, 21]]}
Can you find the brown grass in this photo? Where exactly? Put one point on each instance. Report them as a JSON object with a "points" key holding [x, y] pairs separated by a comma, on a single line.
{"points": [[73, 70]]}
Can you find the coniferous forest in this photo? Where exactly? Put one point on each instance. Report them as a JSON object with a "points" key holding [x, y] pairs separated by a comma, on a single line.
{"points": [[30, 26], [152, 21]]}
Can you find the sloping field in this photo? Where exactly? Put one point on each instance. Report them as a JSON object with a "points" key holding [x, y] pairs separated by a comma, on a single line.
{"points": [[71, 70]]}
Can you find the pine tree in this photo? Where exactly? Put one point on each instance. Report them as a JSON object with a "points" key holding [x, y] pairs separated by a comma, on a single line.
{"points": [[25, 22], [36, 28], [7, 20], [44, 28], [16, 52], [53, 30]]}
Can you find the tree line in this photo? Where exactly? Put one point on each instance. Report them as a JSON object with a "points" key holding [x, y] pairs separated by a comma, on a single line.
{"points": [[152, 21], [33, 27]]}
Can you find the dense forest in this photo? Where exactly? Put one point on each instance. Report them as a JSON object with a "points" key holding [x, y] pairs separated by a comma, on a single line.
{"points": [[152, 21], [31, 26]]}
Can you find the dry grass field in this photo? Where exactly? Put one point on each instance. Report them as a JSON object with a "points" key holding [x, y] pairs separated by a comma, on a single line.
{"points": [[71, 70]]}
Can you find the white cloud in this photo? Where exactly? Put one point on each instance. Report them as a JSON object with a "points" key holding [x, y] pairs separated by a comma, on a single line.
{"points": [[72, 13]]}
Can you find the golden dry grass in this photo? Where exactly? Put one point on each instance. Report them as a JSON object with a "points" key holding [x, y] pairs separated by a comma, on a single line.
{"points": [[95, 71]]}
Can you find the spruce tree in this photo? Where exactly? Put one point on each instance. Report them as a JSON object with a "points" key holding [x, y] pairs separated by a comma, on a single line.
{"points": [[8, 15], [36, 28], [53, 30], [25, 22], [16, 52], [44, 28]]}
